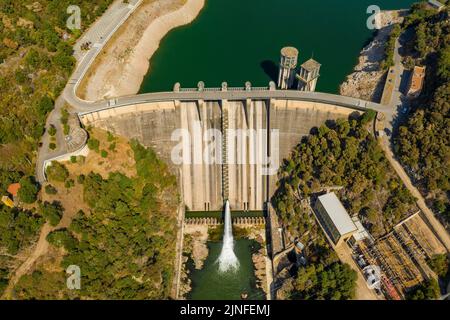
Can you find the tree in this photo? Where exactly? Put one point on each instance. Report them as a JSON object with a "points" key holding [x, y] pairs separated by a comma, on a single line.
{"points": [[335, 282], [439, 263], [29, 189], [44, 106], [52, 212], [62, 238], [429, 290], [17, 228]]}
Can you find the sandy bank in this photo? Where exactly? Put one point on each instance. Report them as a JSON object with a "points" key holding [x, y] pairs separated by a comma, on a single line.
{"points": [[123, 63], [365, 82]]}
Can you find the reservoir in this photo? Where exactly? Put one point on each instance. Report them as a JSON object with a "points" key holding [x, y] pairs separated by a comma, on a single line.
{"points": [[237, 41]]}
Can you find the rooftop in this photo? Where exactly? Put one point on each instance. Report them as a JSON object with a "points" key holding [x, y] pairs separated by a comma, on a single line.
{"points": [[311, 65], [337, 213], [417, 78], [13, 189], [289, 52], [436, 4]]}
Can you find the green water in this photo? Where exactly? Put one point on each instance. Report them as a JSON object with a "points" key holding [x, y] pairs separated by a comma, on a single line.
{"points": [[240, 40], [210, 284]]}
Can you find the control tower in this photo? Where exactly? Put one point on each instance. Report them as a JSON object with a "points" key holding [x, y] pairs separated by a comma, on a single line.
{"points": [[308, 75], [288, 63]]}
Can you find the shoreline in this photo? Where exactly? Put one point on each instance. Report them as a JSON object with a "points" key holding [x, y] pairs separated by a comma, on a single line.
{"points": [[130, 56], [366, 79]]}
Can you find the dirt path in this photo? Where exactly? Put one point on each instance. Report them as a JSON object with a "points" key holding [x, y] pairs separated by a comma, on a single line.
{"points": [[427, 214], [362, 291], [39, 250]]}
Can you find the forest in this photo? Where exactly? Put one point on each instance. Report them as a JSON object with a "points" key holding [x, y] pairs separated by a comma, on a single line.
{"points": [[342, 154], [35, 56], [423, 141], [18, 229], [125, 244], [316, 282]]}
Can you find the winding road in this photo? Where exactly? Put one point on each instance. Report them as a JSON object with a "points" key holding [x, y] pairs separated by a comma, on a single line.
{"points": [[104, 28]]}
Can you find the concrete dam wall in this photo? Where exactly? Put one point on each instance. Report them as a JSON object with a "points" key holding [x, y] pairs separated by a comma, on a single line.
{"points": [[220, 149]]}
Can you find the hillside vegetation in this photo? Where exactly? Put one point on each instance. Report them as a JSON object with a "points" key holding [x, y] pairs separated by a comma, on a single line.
{"points": [[423, 141], [125, 243], [35, 63], [341, 154]]}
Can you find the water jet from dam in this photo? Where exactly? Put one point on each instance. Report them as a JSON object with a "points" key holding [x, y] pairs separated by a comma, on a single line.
{"points": [[227, 259]]}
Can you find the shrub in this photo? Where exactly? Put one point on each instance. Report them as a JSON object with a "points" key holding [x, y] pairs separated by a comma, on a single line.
{"points": [[110, 137], [52, 146], [112, 147], [81, 178], [49, 189], [69, 183], [64, 116], [66, 129], [73, 159], [104, 153], [57, 172], [52, 130], [93, 144], [81, 159]]}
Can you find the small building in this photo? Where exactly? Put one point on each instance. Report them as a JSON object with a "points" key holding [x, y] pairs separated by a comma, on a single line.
{"points": [[308, 75], [7, 202], [299, 249], [436, 5], [360, 234], [334, 219], [13, 189], [416, 81]]}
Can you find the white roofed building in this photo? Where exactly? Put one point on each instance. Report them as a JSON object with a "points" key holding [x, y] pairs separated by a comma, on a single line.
{"points": [[334, 219]]}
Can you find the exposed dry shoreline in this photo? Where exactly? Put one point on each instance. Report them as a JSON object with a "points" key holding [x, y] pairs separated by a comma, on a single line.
{"points": [[123, 63], [365, 82]]}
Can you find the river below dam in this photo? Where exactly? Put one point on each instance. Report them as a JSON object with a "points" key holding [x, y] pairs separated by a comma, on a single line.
{"points": [[212, 284], [238, 41]]}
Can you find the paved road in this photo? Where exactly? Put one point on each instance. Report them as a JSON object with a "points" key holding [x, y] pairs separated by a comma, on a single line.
{"points": [[98, 34], [85, 107], [117, 14], [398, 102]]}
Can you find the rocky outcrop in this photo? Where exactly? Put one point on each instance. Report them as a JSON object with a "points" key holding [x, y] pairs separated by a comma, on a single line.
{"points": [[259, 262], [365, 82]]}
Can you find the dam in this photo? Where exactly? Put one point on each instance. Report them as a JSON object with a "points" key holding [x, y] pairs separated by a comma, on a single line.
{"points": [[277, 118]]}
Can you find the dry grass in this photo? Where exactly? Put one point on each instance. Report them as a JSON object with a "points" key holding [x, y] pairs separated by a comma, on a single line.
{"points": [[72, 199]]}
